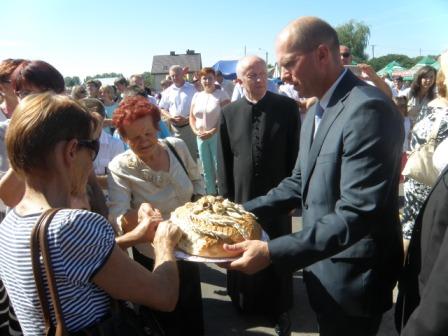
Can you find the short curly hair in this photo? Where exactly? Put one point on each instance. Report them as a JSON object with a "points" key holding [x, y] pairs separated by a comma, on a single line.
{"points": [[133, 108]]}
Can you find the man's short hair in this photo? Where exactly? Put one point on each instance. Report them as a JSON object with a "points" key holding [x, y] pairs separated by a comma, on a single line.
{"points": [[134, 90], [93, 105], [121, 81], [94, 82], [176, 68]]}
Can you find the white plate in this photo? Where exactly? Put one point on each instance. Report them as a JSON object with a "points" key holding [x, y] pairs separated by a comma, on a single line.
{"points": [[181, 255]]}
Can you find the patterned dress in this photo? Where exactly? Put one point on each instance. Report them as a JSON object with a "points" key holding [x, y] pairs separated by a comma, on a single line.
{"points": [[415, 193], [8, 320]]}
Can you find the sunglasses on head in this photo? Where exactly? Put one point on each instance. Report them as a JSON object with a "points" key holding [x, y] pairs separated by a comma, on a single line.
{"points": [[93, 145], [345, 54]]}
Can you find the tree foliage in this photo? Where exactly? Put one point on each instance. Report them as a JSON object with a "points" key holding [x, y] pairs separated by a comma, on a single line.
{"points": [[405, 61], [148, 79], [72, 81], [104, 75], [380, 62], [354, 35]]}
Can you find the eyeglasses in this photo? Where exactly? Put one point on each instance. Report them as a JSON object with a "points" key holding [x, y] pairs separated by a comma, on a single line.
{"points": [[345, 54], [93, 145], [254, 76]]}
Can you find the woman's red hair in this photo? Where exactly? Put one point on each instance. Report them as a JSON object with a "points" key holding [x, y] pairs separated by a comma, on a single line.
{"points": [[132, 109]]}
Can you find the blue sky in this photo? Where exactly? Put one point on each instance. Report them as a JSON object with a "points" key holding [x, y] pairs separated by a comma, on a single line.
{"points": [[86, 37]]}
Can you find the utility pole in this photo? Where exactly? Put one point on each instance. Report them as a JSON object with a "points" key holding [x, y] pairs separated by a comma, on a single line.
{"points": [[266, 55], [420, 51], [373, 50], [244, 50]]}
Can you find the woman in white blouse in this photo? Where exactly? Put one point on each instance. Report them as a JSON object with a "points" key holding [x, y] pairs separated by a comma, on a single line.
{"points": [[150, 171], [204, 116]]}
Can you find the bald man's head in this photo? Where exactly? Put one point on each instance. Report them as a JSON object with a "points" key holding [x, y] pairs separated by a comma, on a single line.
{"points": [[308, 48], [252, 73], [246, 62], [307, 33]]}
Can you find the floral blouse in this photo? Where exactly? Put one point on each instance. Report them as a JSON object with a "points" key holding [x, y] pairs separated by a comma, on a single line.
{"points": [[131, 182], [415, 193]]}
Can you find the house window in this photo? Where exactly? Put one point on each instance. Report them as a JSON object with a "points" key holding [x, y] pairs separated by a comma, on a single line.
{"points": [[165, 67]]}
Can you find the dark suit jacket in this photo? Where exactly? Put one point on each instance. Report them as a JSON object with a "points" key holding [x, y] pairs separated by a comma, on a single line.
{"points": [[346, 180], [257, 148], [425, 282]]}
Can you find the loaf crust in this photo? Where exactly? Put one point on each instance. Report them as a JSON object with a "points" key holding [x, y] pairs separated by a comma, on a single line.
{"points": [[212, 221]]}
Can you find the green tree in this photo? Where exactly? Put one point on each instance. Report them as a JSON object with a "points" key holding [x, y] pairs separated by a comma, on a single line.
{"points": [[71, 81], [148, 79], [405, 61], [380, 62], [104, 75], [76, 80], [354, 35]]}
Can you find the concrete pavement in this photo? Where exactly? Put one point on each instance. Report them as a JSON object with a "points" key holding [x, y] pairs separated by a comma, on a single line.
{"points": [[222, 319]]}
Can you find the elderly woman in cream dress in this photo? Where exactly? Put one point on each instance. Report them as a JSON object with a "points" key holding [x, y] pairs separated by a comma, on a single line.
{"points": [[162, 173]]}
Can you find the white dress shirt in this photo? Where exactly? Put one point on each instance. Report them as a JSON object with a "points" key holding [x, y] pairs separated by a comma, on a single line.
{"points": [[177, 100]]}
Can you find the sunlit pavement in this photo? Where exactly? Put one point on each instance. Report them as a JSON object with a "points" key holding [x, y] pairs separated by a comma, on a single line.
{"points": [[221, 318]]}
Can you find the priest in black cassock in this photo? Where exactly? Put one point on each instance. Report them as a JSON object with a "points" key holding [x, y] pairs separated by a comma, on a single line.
{"points": [[257, 148]]}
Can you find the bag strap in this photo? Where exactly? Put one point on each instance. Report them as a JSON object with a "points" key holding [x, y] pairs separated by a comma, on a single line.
{"points": [[35, 254], [173, 150], [40, 241]]}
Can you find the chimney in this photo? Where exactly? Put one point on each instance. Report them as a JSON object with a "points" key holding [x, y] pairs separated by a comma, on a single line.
{"points": [[172, 53]]}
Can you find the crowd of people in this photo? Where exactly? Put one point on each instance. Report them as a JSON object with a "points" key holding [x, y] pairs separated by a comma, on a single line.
{"points": [[331, 141]]}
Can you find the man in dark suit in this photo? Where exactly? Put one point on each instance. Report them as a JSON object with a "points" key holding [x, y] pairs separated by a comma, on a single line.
{"points": [[258, 146], [422, 305], [346, 180]]}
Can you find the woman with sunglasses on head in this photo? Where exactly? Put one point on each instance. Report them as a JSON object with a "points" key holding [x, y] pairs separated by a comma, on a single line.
{"points": [[50, 145]]}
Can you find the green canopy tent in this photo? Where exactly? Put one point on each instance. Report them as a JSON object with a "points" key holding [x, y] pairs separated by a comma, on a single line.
{"points": [[390, 68], [408, 75]]}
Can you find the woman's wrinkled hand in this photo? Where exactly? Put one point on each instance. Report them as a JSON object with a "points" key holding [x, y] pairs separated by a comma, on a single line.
{"points": [[147, 226], [146, 210], [168, 235]]}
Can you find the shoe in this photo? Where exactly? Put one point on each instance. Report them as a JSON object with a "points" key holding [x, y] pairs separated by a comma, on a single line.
{"points": [[283, 325]]}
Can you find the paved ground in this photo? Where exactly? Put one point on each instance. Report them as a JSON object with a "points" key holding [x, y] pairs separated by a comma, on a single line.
{"points": [[221, 319]]}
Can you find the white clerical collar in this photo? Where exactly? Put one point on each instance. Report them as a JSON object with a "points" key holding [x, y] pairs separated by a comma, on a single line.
{"points": [[325, 100], [253, 101]]}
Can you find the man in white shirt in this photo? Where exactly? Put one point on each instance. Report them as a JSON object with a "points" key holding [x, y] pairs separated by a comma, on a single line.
{"points": [[175, 106]]}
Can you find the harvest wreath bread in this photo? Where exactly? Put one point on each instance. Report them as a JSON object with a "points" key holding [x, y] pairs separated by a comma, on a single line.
{"points": [[212, 221]]}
